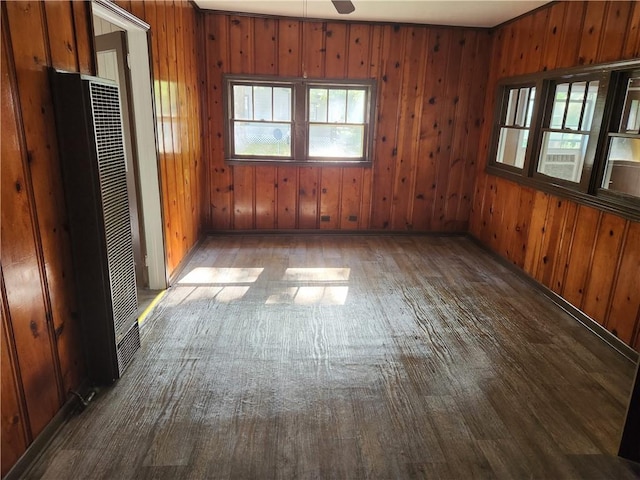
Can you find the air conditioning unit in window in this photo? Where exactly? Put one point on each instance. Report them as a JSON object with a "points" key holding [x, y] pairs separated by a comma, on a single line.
{"points": [[92, 154]]}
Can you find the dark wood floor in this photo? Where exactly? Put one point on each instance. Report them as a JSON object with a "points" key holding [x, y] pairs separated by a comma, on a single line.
{"points": [[353, 357]]}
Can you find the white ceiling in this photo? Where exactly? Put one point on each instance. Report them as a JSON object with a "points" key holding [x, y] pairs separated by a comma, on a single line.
{"points": [[469, 13]]}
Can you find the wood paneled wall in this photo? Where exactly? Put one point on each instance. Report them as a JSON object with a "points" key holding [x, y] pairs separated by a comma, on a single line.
{"points": [[431, 88], [590, 258], [174, 43], [42, 356], [41, 349]]}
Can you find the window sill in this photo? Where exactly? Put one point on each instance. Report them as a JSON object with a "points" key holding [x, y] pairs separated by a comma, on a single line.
{"points": [[603, 203], [298, 163]]}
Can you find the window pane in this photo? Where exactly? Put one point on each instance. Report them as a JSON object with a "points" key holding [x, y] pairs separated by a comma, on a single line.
{"points": [[337, 106], [318, 105], [623, 166], [559, 105], [511, 107], [590, 106], [512, 146], [562, 155], [532, 99], [262, 139], [631, 113], [523, 102], [355, 106], [282, 104], [242, 102], [575, 105], [262, 103], [336, 141]]}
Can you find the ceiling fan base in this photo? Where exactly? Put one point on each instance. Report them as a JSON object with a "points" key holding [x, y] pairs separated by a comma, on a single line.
{"points": [[343, 7]]}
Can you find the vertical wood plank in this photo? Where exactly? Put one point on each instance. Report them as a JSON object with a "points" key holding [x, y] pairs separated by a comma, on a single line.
{"points": [[183, 148], [289, 39], [587, 223], [264, 38], [83, 37], [594, 17], [351, 198], [571, 33], [536, 233], [314, 51], [265, 197], [614, 31], [625, 300], [461, 133], [176, 179], [287, 195], [243, 197], [308, 179], [358, 51], [632, 37], [552, 45], [336, 50], [62, 42], [386, 149], [21, 269], [411, 97], [446, 123], [32, 88], [554, 223], [562, 257], [221, 186], [426, 172], [603, 268], [330, 194], [167, 152], [474, 127], [509, 221], [15, 437]]}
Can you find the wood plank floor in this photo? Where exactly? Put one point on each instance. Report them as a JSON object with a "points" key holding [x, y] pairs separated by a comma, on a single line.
{"points": [[353, 357]]}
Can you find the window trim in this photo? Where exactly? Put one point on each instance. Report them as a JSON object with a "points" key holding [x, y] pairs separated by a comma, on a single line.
{"points": [[300, 128], [591, 194]]}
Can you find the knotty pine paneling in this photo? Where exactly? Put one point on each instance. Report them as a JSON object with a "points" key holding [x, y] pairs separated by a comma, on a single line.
{"points": [[431, 86], [175, 45], [589, 257], [42, 353]]}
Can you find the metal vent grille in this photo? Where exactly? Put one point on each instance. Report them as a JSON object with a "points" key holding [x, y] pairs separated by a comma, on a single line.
{"points": [[128, 347], [105, 104]]}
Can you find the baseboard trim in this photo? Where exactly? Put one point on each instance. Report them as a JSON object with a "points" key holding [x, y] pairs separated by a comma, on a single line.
{"points": [[33, 452], [311, 232], [597, 329]]}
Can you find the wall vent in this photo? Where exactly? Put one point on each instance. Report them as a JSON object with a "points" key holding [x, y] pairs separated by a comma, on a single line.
{"points": [[92, 151]]}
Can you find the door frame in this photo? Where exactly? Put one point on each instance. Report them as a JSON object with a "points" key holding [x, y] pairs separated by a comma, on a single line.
{"points": [[144, 129], [116, 43]]}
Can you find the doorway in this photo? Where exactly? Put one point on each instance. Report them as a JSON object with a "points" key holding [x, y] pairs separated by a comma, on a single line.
{"points": [[122, 55]]}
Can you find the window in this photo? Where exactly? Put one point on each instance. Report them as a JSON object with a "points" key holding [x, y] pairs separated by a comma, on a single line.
{"points": [[622, 166], [515, 123], [574, 133], [566, 130], [298, 120]]}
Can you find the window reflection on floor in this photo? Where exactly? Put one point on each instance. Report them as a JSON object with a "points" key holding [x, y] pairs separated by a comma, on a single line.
{"points": [[296, 286]]}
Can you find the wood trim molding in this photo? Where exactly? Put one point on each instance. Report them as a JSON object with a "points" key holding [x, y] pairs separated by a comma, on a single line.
{"points": [[118, 13]]}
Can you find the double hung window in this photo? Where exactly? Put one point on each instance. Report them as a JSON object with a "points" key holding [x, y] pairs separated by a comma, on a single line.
{"points": [[574, 132], [299, 120]]}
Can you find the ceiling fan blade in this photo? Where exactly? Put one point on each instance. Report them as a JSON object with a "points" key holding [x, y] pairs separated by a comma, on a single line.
{"points": [[343, 6]]}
